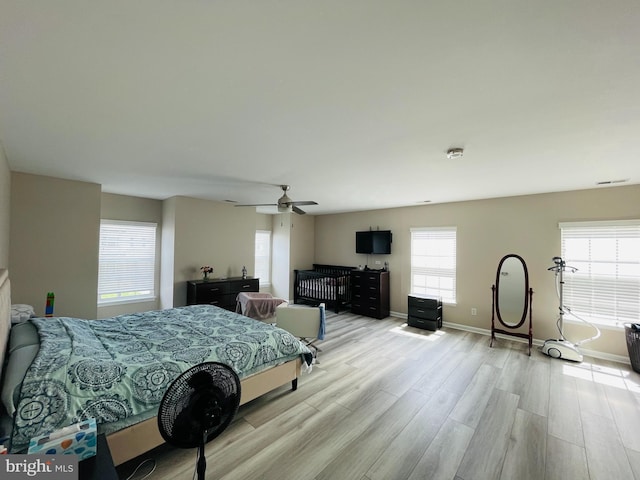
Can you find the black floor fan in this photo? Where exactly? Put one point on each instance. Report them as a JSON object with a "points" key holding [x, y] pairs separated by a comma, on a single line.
{"points": [[198, 406]]}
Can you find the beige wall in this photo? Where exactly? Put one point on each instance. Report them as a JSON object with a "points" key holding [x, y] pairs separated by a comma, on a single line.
{"points": [[263, 222], [5, 208], [54, 242], [134, 209], [486, 231], [55, 227], [209, 233]]}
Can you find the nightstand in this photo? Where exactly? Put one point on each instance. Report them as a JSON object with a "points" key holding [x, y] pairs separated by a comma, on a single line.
{"points": [[424, 312], [100, 466]]}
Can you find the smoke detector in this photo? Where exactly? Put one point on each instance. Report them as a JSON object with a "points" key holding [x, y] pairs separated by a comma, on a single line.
{"points": [[454, 153]]}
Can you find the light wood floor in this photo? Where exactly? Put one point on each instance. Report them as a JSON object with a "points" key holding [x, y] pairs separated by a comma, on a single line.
{"points": [[391, 402]]}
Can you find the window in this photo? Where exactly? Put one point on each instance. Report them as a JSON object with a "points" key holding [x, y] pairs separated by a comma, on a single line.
{"points": [[433, 262], [127, 261], [605, 289], [263, 256]]}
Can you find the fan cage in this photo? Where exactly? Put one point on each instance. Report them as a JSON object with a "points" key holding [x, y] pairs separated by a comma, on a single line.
{"points": [[177, 422]]}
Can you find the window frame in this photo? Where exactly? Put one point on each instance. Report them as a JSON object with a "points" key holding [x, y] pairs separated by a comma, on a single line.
{"points": [[440, 272], [615, 290], [147, 285]]}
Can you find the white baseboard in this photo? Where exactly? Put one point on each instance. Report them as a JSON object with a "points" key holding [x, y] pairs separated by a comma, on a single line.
{"points": [[536, 341]]}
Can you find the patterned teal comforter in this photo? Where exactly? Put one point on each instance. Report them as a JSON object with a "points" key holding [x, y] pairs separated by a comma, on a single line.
{"points": [[120, 367]]}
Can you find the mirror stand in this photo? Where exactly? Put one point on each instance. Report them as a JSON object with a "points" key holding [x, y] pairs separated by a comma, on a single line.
{"points": [[494, 330], [512, 299]]}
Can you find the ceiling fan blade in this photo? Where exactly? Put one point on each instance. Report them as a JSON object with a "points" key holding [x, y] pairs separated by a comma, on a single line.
{"points": [[258, 205], [298, 210], [309, 202]]}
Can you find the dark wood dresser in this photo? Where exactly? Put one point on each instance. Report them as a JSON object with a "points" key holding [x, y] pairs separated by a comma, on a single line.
{"points": [[370, 293], [424, 311], [221, 292]]}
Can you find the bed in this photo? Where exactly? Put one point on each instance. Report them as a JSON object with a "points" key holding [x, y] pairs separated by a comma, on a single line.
{"points": [[117, 370], [329, 284]]}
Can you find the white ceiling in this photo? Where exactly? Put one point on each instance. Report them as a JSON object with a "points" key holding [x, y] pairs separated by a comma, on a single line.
{"points": [[352, 103]]}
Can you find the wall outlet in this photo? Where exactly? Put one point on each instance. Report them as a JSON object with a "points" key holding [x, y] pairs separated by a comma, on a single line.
{"points": [[474, 311]]}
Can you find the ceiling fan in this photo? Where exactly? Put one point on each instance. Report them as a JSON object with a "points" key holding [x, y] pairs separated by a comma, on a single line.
{"points": [[285, 204]]}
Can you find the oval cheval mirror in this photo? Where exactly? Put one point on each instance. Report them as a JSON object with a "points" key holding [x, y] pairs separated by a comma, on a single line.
{"points": [[512, 298]]}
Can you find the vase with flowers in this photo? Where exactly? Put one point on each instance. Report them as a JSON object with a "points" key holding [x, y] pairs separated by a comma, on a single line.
{"points": [[206, 271]]}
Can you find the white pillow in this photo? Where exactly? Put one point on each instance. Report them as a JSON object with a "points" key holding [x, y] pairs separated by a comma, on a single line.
{"points": [[21, 312]]}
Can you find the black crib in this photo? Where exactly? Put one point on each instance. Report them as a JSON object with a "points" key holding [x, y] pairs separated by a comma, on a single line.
{"points": [[328, 284]]}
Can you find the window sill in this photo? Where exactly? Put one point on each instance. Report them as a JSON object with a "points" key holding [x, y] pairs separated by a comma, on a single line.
{"points": [[125, 302]]}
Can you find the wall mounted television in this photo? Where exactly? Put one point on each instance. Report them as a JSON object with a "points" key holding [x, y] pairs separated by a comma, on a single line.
{"points": [[374, 242]]}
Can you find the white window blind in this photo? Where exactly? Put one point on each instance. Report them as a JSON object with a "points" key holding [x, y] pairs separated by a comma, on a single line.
{"points": [[263, 256], [606, 287], [433, 262], [127, 261]]}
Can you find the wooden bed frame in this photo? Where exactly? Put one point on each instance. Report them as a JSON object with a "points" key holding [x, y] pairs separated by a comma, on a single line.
{"points": [[137, 439], [328, 284]]}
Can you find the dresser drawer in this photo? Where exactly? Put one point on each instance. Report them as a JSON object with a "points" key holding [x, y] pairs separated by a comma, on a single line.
{"points": [[357, 306], [216, 300], [366, 290], [424, 301], [357, 276], [248, 285], [227, 301], [367, 309], [371, 278], [206, 292], [423, 323], [365, 279], [426, 313], [366, 296]]}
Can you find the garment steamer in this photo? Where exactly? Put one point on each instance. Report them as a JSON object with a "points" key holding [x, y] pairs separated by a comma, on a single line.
{"points": [[563, 348]]}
